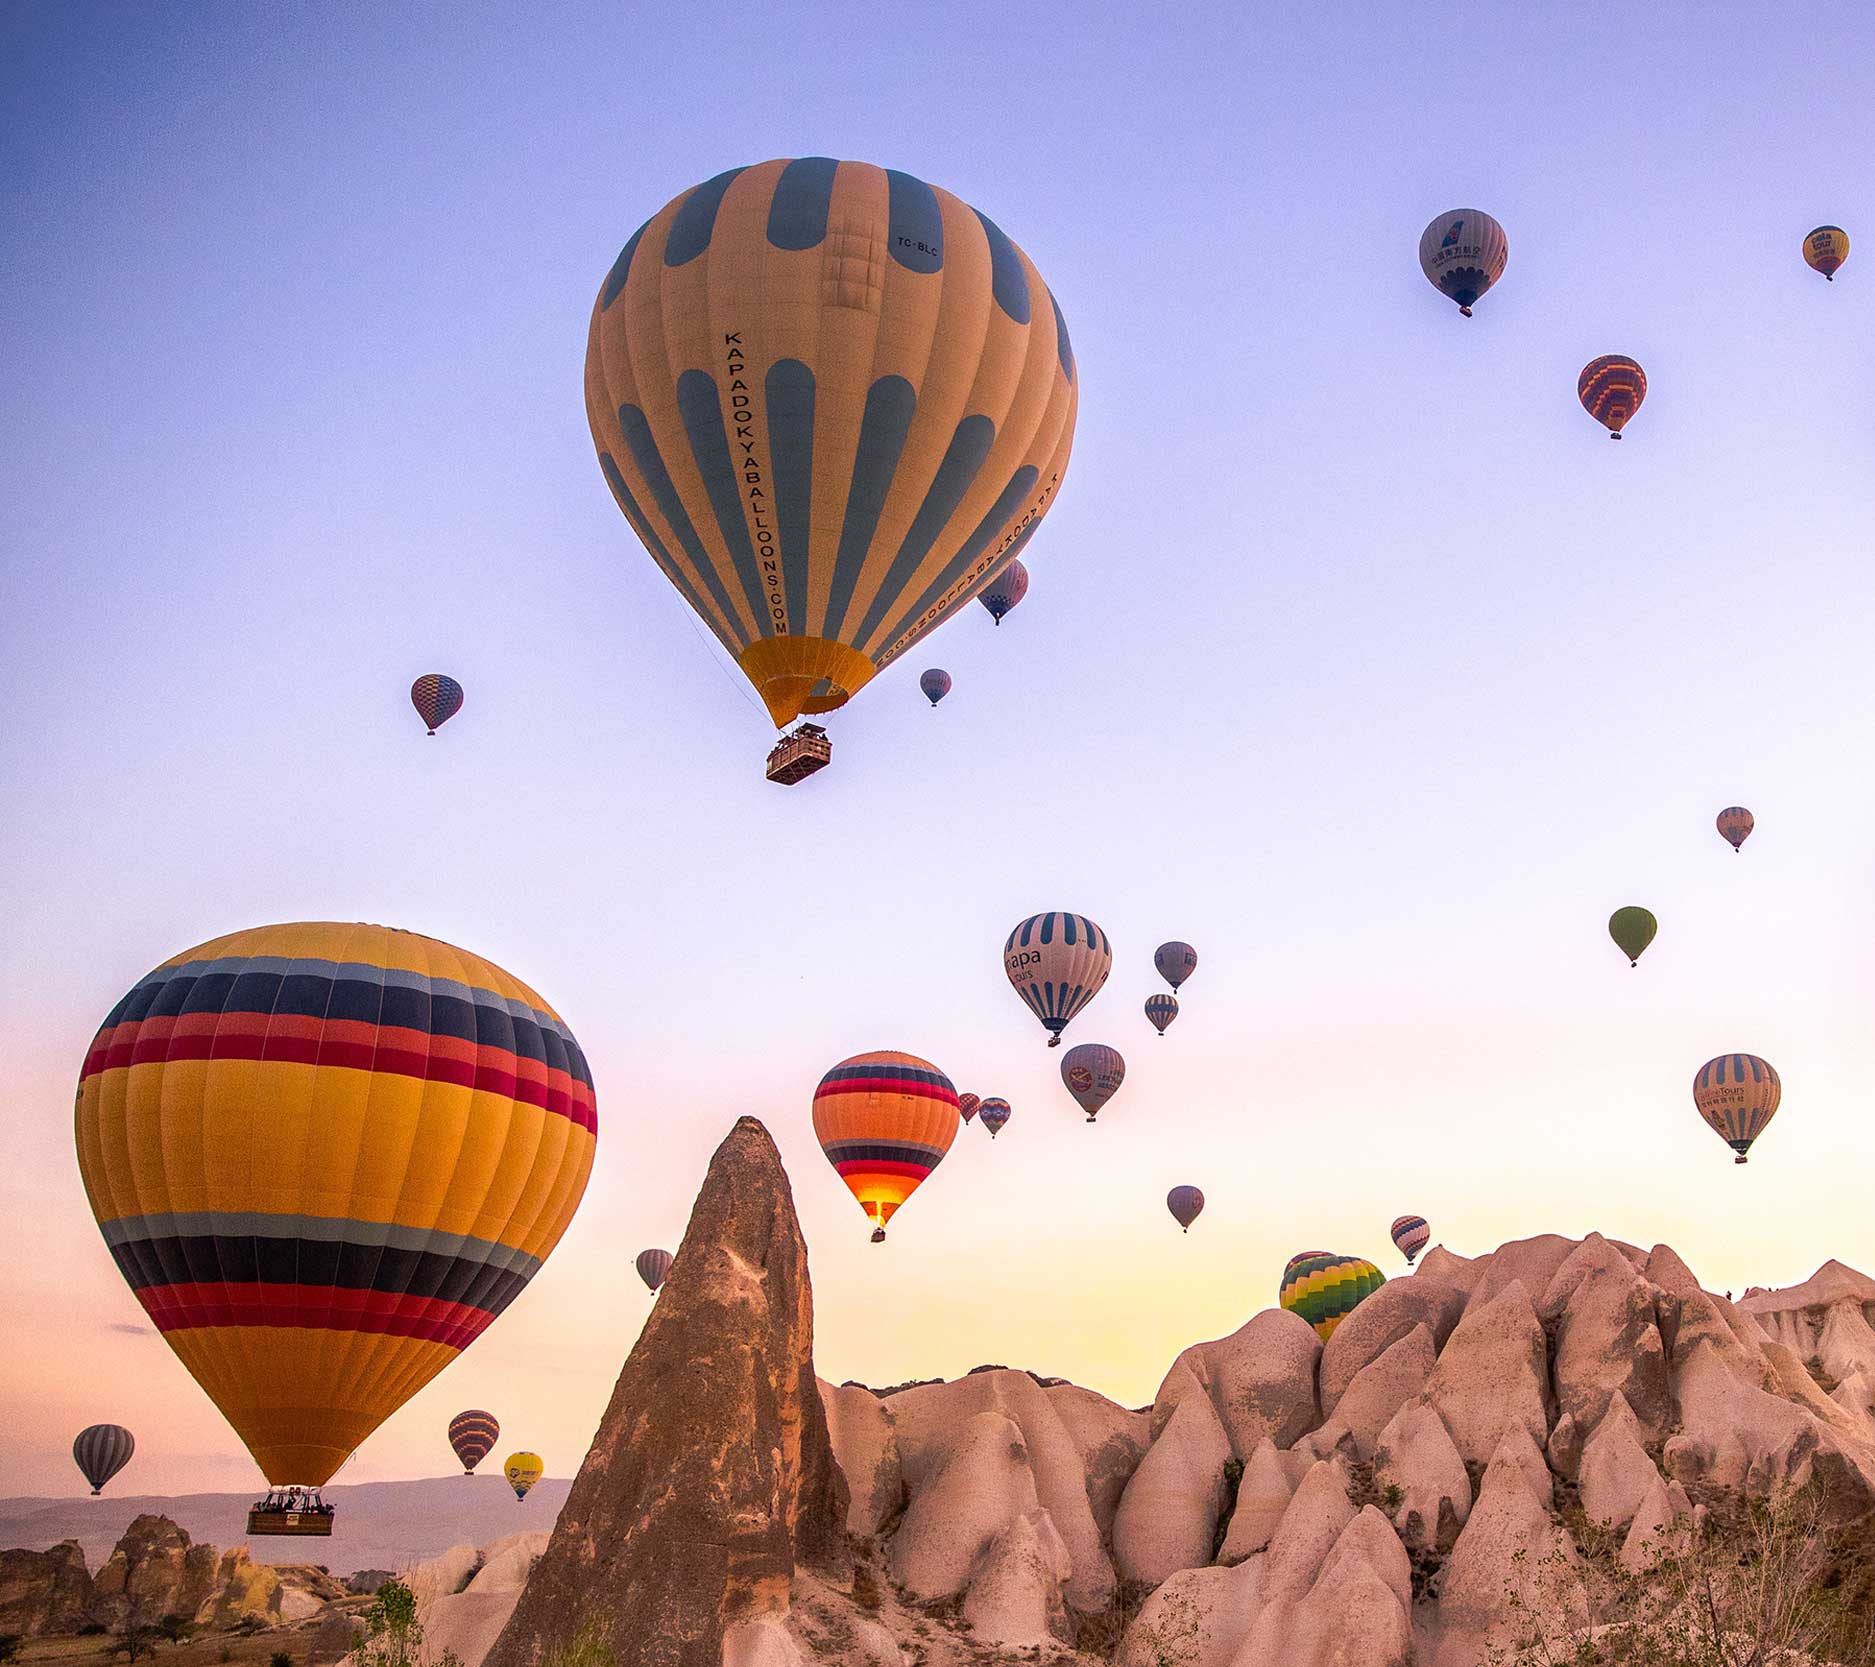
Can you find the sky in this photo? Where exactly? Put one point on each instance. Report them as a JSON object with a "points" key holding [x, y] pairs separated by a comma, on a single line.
{"points": [[1355, 654]]}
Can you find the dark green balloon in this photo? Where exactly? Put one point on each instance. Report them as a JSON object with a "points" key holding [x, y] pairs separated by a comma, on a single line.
{"points": [[1633, 929]]}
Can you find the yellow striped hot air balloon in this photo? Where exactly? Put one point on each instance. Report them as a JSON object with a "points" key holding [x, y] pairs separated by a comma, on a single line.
{"points": [[1325, 1288], [831, 400], [885, 1121], [325, 1157], [523, 1470]]}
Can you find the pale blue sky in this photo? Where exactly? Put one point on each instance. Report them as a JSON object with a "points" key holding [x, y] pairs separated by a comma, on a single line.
{"points": [[1355, 654]]}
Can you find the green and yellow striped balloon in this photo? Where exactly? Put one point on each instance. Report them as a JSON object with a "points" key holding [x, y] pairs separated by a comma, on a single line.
{"points": [[1325, 1288]]}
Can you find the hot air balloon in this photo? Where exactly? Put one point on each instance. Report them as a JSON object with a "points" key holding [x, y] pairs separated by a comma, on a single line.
{"points": [[1611, 389], [101, 1451], [1005, 590], [1825, 249], [1057, 963], [1462, 254], [1093, 1073], [1410, 1234], [1737, 1095], [1633, 929], [1176, 962], [1185, 1203], [936, 684], [1735, 824], [1325, 1288], [652, 1266], [830, 399], [1161, 1010], [967, 1106], [473, 1434], [325, 1157], [523, 1470], [885, 1121], [437, 699], [994, 1113]]}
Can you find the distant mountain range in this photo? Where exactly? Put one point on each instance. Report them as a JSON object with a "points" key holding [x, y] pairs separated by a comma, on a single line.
{"points": [[378, 1525]]}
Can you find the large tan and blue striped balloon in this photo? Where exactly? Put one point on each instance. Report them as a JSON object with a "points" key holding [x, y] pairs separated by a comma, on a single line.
{"points": [[1737, 1094], [832, 401], [1057, 963]]}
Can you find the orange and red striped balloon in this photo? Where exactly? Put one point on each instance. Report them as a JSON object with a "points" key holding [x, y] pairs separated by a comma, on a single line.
{"points": [[1611, 389], [885, 1121]]}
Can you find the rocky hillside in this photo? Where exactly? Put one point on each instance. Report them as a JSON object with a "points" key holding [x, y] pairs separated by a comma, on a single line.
{"points": [[1485, 1449], [155, 1573]]}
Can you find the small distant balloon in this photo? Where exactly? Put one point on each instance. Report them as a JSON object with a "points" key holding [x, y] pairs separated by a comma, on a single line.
{"points": [[993, 1113], [652, 1266], [1005, 590], [1825, 249], [101, 1451], [936, 684], [1737, 1094], [1462, 254], [473, 1434], [1633, 929], [1410, 1234], [523, 1470], [1161, 1010], [1176, 962], [1611, 389], [1185, 1203], [1735, 825], [437, 699], [1325, 1288], [1057, 963], [1093, 1073], [967, 1105], [884, 1121]]}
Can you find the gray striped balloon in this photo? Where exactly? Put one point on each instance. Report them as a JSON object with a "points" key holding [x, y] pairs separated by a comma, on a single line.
{"points": [[101, 1451]]}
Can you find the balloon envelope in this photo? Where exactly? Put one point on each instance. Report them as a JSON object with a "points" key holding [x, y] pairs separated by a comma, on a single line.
{"points": [[1325, 1288], [1176, 962], [101, 1451], [967, 1106], [1462, 254], [523, 1470], [1633, 929], [473, 1435], [994, 1114], [885, 1121], [830, 399], [1735, 824], [652, 1266], [1093, 1073], [325, 1157], [1185, 1203], [1825, 249], [1161, 1010], [1057, 963], [437, 699], [1005, 590], [936, 684], [1737, 1094], [1410, 1234], [1611, 389]]}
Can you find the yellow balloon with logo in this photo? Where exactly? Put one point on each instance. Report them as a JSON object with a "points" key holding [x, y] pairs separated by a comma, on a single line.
{"points": [[523, 1470], [832, 401]]}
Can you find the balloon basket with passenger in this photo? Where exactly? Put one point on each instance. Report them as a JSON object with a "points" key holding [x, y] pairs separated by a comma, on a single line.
{"points": [[297, 1511], [798, 754]]}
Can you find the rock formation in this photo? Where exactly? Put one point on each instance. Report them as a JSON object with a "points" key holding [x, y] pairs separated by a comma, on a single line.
{"points": [[45, 1591], [156, 1571], [712, 1476]]}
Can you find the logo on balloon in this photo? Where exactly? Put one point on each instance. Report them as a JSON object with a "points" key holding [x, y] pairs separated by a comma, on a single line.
{"points": [[1080, 1078]]}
